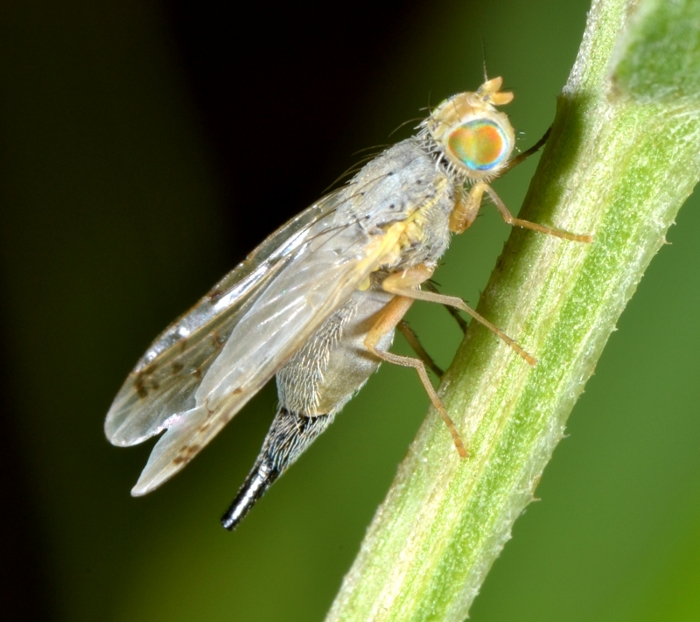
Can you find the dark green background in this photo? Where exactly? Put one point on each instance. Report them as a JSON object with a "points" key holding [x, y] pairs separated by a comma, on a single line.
{"points": [[120, 206]]}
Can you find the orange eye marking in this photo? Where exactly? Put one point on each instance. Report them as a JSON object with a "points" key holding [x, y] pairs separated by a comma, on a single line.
{"points": [[479, 145]]}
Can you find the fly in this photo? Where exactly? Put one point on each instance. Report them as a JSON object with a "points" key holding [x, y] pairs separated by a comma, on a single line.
{"points": [[318, 302]]}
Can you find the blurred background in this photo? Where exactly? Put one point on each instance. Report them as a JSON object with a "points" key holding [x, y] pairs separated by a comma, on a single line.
{"points": [[145, 148]]}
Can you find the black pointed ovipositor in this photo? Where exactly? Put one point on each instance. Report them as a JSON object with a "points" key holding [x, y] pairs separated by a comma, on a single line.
{"points": [[254, 487], [289, 435]]}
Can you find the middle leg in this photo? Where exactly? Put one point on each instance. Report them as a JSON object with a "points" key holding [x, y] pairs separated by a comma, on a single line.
{"points": [[391, 316]]}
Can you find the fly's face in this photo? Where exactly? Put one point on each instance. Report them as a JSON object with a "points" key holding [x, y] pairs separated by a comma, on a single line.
{"points": [[474, 137]]}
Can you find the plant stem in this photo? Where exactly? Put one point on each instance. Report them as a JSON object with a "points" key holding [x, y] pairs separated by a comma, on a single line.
{"points": [[622, 158]]}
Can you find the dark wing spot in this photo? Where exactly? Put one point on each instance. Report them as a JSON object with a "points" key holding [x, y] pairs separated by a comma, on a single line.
{"points": [[218, 341], [186, 454], [193, 449], [176, 368], [151, 368], [140, 387], [214, 294]]}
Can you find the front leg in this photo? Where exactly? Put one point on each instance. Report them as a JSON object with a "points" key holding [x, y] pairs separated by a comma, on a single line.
{"points": [[469, 204]]}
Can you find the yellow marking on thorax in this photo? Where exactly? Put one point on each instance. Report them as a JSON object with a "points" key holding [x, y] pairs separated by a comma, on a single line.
{"points": [[386, 249], [410, 231]]}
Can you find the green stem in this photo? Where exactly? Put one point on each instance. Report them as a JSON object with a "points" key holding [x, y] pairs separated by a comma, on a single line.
{"points": [[622, 158]]}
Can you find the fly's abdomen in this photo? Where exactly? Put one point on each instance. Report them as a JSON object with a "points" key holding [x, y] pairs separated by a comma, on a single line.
{"points": [[334, 364]]}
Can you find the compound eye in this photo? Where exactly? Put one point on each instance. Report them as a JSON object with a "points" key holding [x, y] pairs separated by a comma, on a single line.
{"points": [[481, 145]]}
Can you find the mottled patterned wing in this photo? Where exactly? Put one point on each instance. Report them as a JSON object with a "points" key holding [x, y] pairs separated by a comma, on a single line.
{"points": [[165, 379], [203, 369]]}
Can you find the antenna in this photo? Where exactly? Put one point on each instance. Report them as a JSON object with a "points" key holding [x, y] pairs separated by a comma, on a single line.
{"points": [[483, 59]]}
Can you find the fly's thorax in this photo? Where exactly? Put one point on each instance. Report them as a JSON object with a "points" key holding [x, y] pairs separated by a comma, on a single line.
{"points": [[390, 188], [424, 236], [474, 138], [402, 200]]}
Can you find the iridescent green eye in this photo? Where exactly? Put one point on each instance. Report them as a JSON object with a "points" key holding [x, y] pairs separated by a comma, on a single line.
{"points": [[480, 145]]}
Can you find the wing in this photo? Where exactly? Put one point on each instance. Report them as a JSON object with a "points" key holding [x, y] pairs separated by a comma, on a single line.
{"points": [[203, 369], [166, 377]]}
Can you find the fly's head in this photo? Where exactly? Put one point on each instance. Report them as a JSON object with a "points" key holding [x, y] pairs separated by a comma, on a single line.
{"points": [[473, 137]]}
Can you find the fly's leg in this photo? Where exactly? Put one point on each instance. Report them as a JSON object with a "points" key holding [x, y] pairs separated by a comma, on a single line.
{"points": [[413, 341], [469, 204], [519, 159], [391, 316], [451, 310], [404, 283], [526, 224]]}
